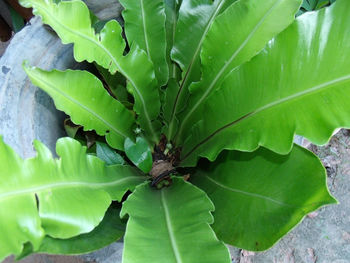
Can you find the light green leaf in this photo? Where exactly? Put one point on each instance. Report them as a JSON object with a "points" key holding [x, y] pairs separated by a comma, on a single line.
{"points": [[43, 195], [260, 196], [145, 26], [108, 231], [71, 21], [299, 84], [195, 19], [108, 155], [171, 225], [81, 95], [139, 153], [242, 30]]}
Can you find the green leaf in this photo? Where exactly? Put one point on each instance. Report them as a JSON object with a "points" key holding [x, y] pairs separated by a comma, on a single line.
{"points": [[254, 25], [260, 196], [116, 85], [71, 128], [299, 85], [171, 225], [171, 15], [195, 19], [139, 153], [309, 5], [16, 19], [43, 195], [80, 95], [170, 94], [145, 26], [71, 21], [322, 4], [108, 231], [108, 155]]}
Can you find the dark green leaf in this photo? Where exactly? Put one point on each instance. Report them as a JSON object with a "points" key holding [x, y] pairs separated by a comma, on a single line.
{"points": [[115, 85], [71, 128], [16, 19], [171, 14], [260, 196], [139, 153], [108, 155]]}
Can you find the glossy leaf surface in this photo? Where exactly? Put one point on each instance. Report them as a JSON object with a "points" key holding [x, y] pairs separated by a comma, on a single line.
{"points": [[171, 225], [145, 26], [195, 19], [299, 84], [71, 21], [255, 23], [82, 96], [108, 155], [260, 196], [43, 195], [139, 153]]}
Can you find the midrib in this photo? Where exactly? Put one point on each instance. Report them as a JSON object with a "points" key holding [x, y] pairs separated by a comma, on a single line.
{"points": [[144, 27], [247, 193], [111, 57], [38, 189], [218, 8], [170, 229], [225, 66], [268, 106]]}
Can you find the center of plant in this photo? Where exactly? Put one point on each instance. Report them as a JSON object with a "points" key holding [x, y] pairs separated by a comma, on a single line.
{"points": [[164, 162]]}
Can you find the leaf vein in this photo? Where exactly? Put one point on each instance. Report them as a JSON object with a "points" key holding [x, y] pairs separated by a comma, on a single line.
{"points": [[84, 108], [41, 188], [247, 193], [184, 80]]}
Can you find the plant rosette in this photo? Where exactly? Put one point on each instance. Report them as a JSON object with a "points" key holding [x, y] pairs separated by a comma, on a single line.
{"points": [[190, 120]]}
